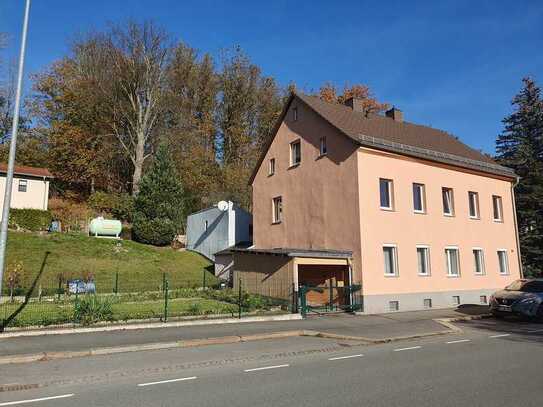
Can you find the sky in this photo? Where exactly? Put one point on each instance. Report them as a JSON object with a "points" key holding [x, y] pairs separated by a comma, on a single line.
{"points": [[450, 65]]}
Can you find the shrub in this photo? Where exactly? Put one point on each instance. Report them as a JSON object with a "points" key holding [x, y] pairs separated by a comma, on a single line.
{"points": [[30, 219], [73, 215], [158, 232], [120, 206], [158, 207], [90, 309]]}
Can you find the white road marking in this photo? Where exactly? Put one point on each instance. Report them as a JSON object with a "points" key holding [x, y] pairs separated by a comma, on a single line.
{"points": [[265, 368], [411, 348], [182, 379], [500, 335], [459, 341], [14, 403], [346, 357]]}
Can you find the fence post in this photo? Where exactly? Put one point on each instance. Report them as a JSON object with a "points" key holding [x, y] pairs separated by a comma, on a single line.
{"points": [[165, 299], [163, 281], [59, 287], [116, 287], [239, 299]]}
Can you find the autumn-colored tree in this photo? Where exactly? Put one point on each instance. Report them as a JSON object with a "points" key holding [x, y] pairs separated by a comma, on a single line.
{"points": [[370, 104]]}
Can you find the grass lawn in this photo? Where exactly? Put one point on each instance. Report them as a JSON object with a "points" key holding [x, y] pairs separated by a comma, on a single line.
{"points": [[139, 266], [50, 313]]}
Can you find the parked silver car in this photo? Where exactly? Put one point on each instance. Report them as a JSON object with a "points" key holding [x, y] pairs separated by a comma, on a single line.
{"points": [[523, 298]]}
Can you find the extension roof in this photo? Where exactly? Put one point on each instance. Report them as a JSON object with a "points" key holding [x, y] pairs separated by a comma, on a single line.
{"points": [[384, 133], [27, 171]]}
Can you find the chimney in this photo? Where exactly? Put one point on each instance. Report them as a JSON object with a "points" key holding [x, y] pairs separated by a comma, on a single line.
{"points": [[395, 114], [356, 104]]}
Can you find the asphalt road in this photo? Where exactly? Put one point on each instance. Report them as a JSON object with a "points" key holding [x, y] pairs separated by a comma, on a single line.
{"points": [[492, 363]]}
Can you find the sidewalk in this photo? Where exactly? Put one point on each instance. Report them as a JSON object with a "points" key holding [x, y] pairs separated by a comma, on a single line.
{"points": [[375, 327]]}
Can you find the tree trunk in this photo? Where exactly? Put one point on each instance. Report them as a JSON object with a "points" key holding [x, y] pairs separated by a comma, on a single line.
{"points": [[138, 164]]}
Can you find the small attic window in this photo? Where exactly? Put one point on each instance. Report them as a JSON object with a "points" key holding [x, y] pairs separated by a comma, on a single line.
{"points": [[294, 113]]}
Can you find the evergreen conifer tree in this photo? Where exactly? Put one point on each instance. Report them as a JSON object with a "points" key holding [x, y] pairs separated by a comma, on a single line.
{"points": [[520, 147]]}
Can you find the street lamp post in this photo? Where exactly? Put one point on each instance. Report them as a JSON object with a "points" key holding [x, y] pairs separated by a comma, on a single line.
{"points": [[12, 150]]}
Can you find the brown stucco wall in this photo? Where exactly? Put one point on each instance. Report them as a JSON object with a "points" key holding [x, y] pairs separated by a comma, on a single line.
{"points": [[264, 274], [320, 196]]}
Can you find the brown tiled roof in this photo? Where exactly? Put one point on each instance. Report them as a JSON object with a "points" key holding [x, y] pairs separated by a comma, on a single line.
{"points": [[24, 170], [354, 124], [406, 138]]}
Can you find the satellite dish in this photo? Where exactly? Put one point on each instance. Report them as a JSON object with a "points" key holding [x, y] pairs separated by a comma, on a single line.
{"points": [[223, 206]]}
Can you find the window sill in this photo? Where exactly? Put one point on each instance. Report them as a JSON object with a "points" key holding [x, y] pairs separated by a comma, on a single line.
{"points": [[271, 175], [321, 156], [391, 275], [498, 220], [276, 223], [424, 275], [475, 218], [449, 215], [453, 276], [479, 274], [504, 274], [386, 209], [419, 212], [293, 166]]}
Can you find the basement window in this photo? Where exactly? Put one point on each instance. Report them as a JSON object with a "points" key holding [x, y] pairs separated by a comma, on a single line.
{"points": [[456, 300], [483, 299], [427, 303], [393, 305], [23, 185]]}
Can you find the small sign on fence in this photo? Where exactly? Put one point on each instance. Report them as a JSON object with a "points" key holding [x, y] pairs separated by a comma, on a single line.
{"points": [[81, 287]]}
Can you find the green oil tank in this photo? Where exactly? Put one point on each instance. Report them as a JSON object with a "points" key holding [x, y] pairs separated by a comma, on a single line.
{"points": [[100, 227]]}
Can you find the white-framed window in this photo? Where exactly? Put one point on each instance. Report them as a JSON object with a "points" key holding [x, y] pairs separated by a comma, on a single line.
{"points": [[394, 305], [294, 114], [271, 167], [423, 260], [277, 209], [386, 193], [427, 303], [473, 201], [390, 255], [419, 198], [452, 261], [23, 185], [497, 208], [503, 262], [323, 149], [483, 299], [456, 300], [295, 153], [448, 201], [478, 261]]}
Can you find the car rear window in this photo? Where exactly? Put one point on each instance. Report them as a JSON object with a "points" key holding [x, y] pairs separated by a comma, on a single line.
{"points": [[532, 287]]}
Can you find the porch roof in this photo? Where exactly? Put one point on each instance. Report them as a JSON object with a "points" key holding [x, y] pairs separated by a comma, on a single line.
{"points": [[292, 252]]}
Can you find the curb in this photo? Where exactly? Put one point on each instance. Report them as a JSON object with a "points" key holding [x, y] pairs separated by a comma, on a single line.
{"points": [[155, 325], [191, 343]]}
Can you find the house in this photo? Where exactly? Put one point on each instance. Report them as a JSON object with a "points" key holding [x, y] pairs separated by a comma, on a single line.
{"points": [[218, 228], [30, 187], [408, 212]]}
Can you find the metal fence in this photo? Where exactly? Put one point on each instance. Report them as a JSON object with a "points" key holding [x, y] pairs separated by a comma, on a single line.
{"points": [[117, 299]]}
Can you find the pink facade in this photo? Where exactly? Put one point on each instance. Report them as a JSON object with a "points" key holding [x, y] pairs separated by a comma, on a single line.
{"points": [[332, 201]]}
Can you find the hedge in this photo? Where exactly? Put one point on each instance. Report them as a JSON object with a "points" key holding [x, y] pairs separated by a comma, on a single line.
{"points": [[29, 219]]}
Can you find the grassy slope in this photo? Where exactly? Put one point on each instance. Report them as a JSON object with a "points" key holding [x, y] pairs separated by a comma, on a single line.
{"points": [[139, 266]]}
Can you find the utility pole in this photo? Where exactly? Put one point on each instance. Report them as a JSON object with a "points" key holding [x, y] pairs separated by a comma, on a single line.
{"points": [[12, 149]]}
